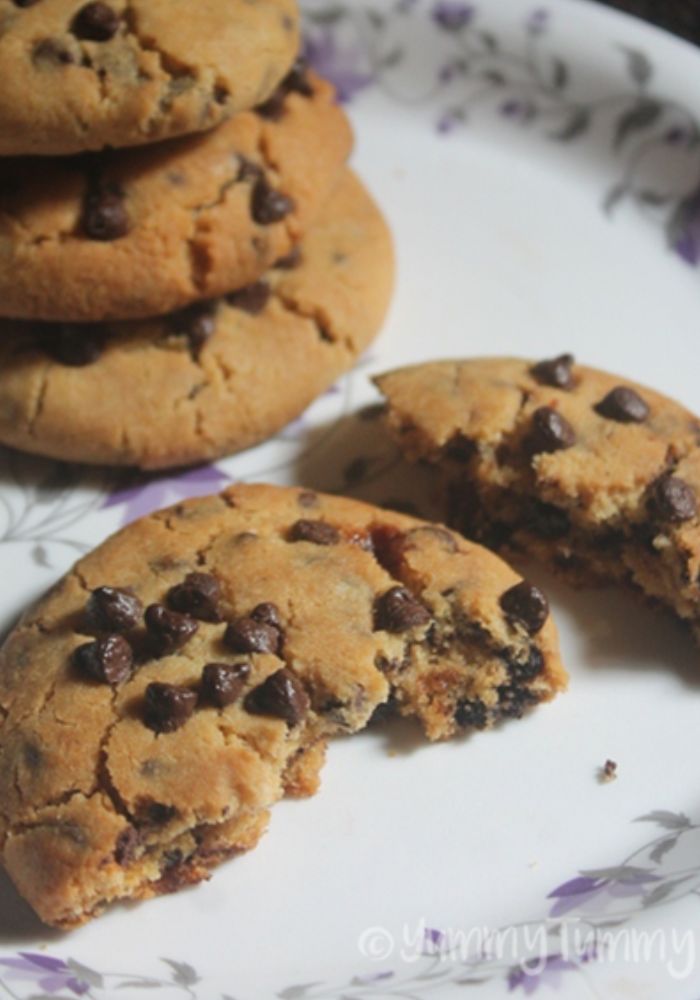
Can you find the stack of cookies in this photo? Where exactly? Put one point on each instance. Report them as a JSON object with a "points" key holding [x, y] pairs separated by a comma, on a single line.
{"points": [[186, 262]]}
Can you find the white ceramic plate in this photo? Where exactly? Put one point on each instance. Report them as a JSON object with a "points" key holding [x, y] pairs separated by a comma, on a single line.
{"points": [[540, 169]]}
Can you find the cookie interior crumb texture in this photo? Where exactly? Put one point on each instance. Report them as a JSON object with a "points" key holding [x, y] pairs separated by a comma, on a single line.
{"points": [[588, 471], [187, 674]]}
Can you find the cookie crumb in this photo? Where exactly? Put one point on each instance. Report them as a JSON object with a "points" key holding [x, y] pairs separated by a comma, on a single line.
{"points": [[608, 772]]}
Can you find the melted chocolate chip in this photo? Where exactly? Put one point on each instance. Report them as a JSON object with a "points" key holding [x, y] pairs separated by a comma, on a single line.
{"points": [[526, 605], [198, 595], [167, 707], [110, 609], [555, 372], [268, 613], [471, 714], [672, 499], [460, 448], [550, 431], [280, 695], [104, 216], [127, 845], [398, 610], [196, 322], [222, 683], [249, 636], [95, 22], [547, 521], [25, 3], [168, 630], [623, 405], [252, 299], [109, 660], [316, 532], [268, 205], [71, 345]]}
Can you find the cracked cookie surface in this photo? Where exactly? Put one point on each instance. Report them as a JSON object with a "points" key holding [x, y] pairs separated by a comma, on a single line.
{"points": [[184, 675], [215, 378], [138, 233], [596, 475], [80, 76]]}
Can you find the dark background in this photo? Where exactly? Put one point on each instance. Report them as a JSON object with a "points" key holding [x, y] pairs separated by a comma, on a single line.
{"points": [[679, 16]]}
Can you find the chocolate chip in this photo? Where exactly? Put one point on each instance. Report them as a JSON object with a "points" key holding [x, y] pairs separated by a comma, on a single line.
{"points": [[398, 610], [197, 322], [280, 695], [168, 630], [25, 3], [529, 669], [109, 660], [53, 52], [110, 609], [269, 205], [249, 636], [291, 260], [167, 707], [157, 814], [95, 22], [317, 532], [198, 595], [268, 613], [471, 714], [252, 299], [623, 405], [526, 605], [549, 431], [104, 216], [513, 699], [460, 448], [32, 756], [223, 682], [69, 344], [547, 521], [555, 372], [127, 844], [672, 499]]}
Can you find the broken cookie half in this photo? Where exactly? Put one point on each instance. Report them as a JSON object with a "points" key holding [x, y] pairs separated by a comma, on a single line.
{"points": [[596, 475], [187, 674]]}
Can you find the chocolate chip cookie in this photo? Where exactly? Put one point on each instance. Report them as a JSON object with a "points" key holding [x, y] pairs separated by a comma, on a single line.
{"points": [[165, 694], [596, 475], [142, 232], [214, 378], [82, 76]]}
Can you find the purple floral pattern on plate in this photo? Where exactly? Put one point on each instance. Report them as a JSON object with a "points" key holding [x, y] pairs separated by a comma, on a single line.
{"points": [[148, 493], [529, 85]]}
